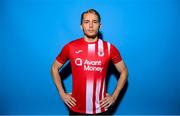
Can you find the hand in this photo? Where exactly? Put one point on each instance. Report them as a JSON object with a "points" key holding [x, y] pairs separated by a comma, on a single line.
{"points": [[107, 101], [69, 100]]}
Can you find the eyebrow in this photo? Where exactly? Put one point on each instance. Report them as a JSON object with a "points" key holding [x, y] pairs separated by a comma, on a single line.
{"points": [[88, 20]]}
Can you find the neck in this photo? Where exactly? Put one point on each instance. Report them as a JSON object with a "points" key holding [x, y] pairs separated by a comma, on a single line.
{"points": [[87, 39]]}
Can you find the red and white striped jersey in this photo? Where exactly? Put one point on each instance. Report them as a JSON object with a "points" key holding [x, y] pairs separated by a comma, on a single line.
{"points": [[89, 62]]}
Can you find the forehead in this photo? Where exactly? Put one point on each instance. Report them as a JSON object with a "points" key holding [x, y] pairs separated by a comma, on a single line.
{"points": [[90, 16]]}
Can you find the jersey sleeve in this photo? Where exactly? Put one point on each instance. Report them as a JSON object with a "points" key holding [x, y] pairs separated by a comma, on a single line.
{"points": [[115, 55], [63, 55]]}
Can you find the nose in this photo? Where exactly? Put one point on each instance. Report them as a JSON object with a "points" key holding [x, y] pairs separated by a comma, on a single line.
{"points": [[90, 25]]}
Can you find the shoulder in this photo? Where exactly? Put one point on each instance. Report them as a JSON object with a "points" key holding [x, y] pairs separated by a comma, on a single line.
{"points": [[75, 42], [104, 42], [110, 45]]}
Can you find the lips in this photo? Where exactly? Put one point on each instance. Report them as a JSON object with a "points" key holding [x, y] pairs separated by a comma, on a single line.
{"points": [[90, 31]]}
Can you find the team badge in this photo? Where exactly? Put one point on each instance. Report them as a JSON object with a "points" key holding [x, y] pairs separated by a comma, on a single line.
{"points": [[100, 53]]}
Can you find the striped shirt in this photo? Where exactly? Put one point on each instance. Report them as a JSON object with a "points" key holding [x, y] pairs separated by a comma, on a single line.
{"points": [[89, 62]]}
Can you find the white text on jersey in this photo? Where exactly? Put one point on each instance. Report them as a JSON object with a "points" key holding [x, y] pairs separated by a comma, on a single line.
{"points": [[90, 65]]}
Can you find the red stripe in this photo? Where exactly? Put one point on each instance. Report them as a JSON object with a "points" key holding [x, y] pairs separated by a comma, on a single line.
{"points": [[104, 94], [84, 99], [100, 95]]}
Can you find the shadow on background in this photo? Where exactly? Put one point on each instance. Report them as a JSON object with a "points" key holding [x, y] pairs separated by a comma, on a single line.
{"points": [[113, 71], [65, 72]]}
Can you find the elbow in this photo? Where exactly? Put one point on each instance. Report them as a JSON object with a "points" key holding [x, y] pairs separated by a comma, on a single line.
{"points": [[53, 69], [125, 73]]}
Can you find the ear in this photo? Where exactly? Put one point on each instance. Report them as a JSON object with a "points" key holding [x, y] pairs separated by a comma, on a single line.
{"points": [[100, 26], [81, 27]]}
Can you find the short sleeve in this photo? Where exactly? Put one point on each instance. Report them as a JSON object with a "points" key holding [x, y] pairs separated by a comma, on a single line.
{"points": [[115, 55], [63, 55]]}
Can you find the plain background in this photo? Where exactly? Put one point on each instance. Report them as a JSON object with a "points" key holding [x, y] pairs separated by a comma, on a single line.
{"points": [[32, 33]]}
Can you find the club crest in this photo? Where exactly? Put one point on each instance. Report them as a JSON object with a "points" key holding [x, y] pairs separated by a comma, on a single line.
{"points": [[101, 53]]}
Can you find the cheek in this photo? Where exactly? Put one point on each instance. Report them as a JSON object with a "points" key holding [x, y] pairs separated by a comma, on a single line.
{"points": [[96, 28], [85, 27]]}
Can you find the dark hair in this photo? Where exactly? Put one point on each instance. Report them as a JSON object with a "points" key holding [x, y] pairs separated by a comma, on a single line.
{"points": [[90, 11]]}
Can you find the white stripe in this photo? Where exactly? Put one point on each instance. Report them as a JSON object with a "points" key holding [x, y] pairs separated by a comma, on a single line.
{"points": [[98, 87], [100, 45], [100, 48], [108, 48], [89, 96], [91, 48]]}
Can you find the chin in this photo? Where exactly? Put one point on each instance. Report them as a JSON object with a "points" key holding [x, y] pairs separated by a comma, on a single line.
{"points": [[91, 35]]}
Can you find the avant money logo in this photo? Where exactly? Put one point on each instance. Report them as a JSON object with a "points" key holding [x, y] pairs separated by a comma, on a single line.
{"points": [[78, 61], [89, 65]]}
